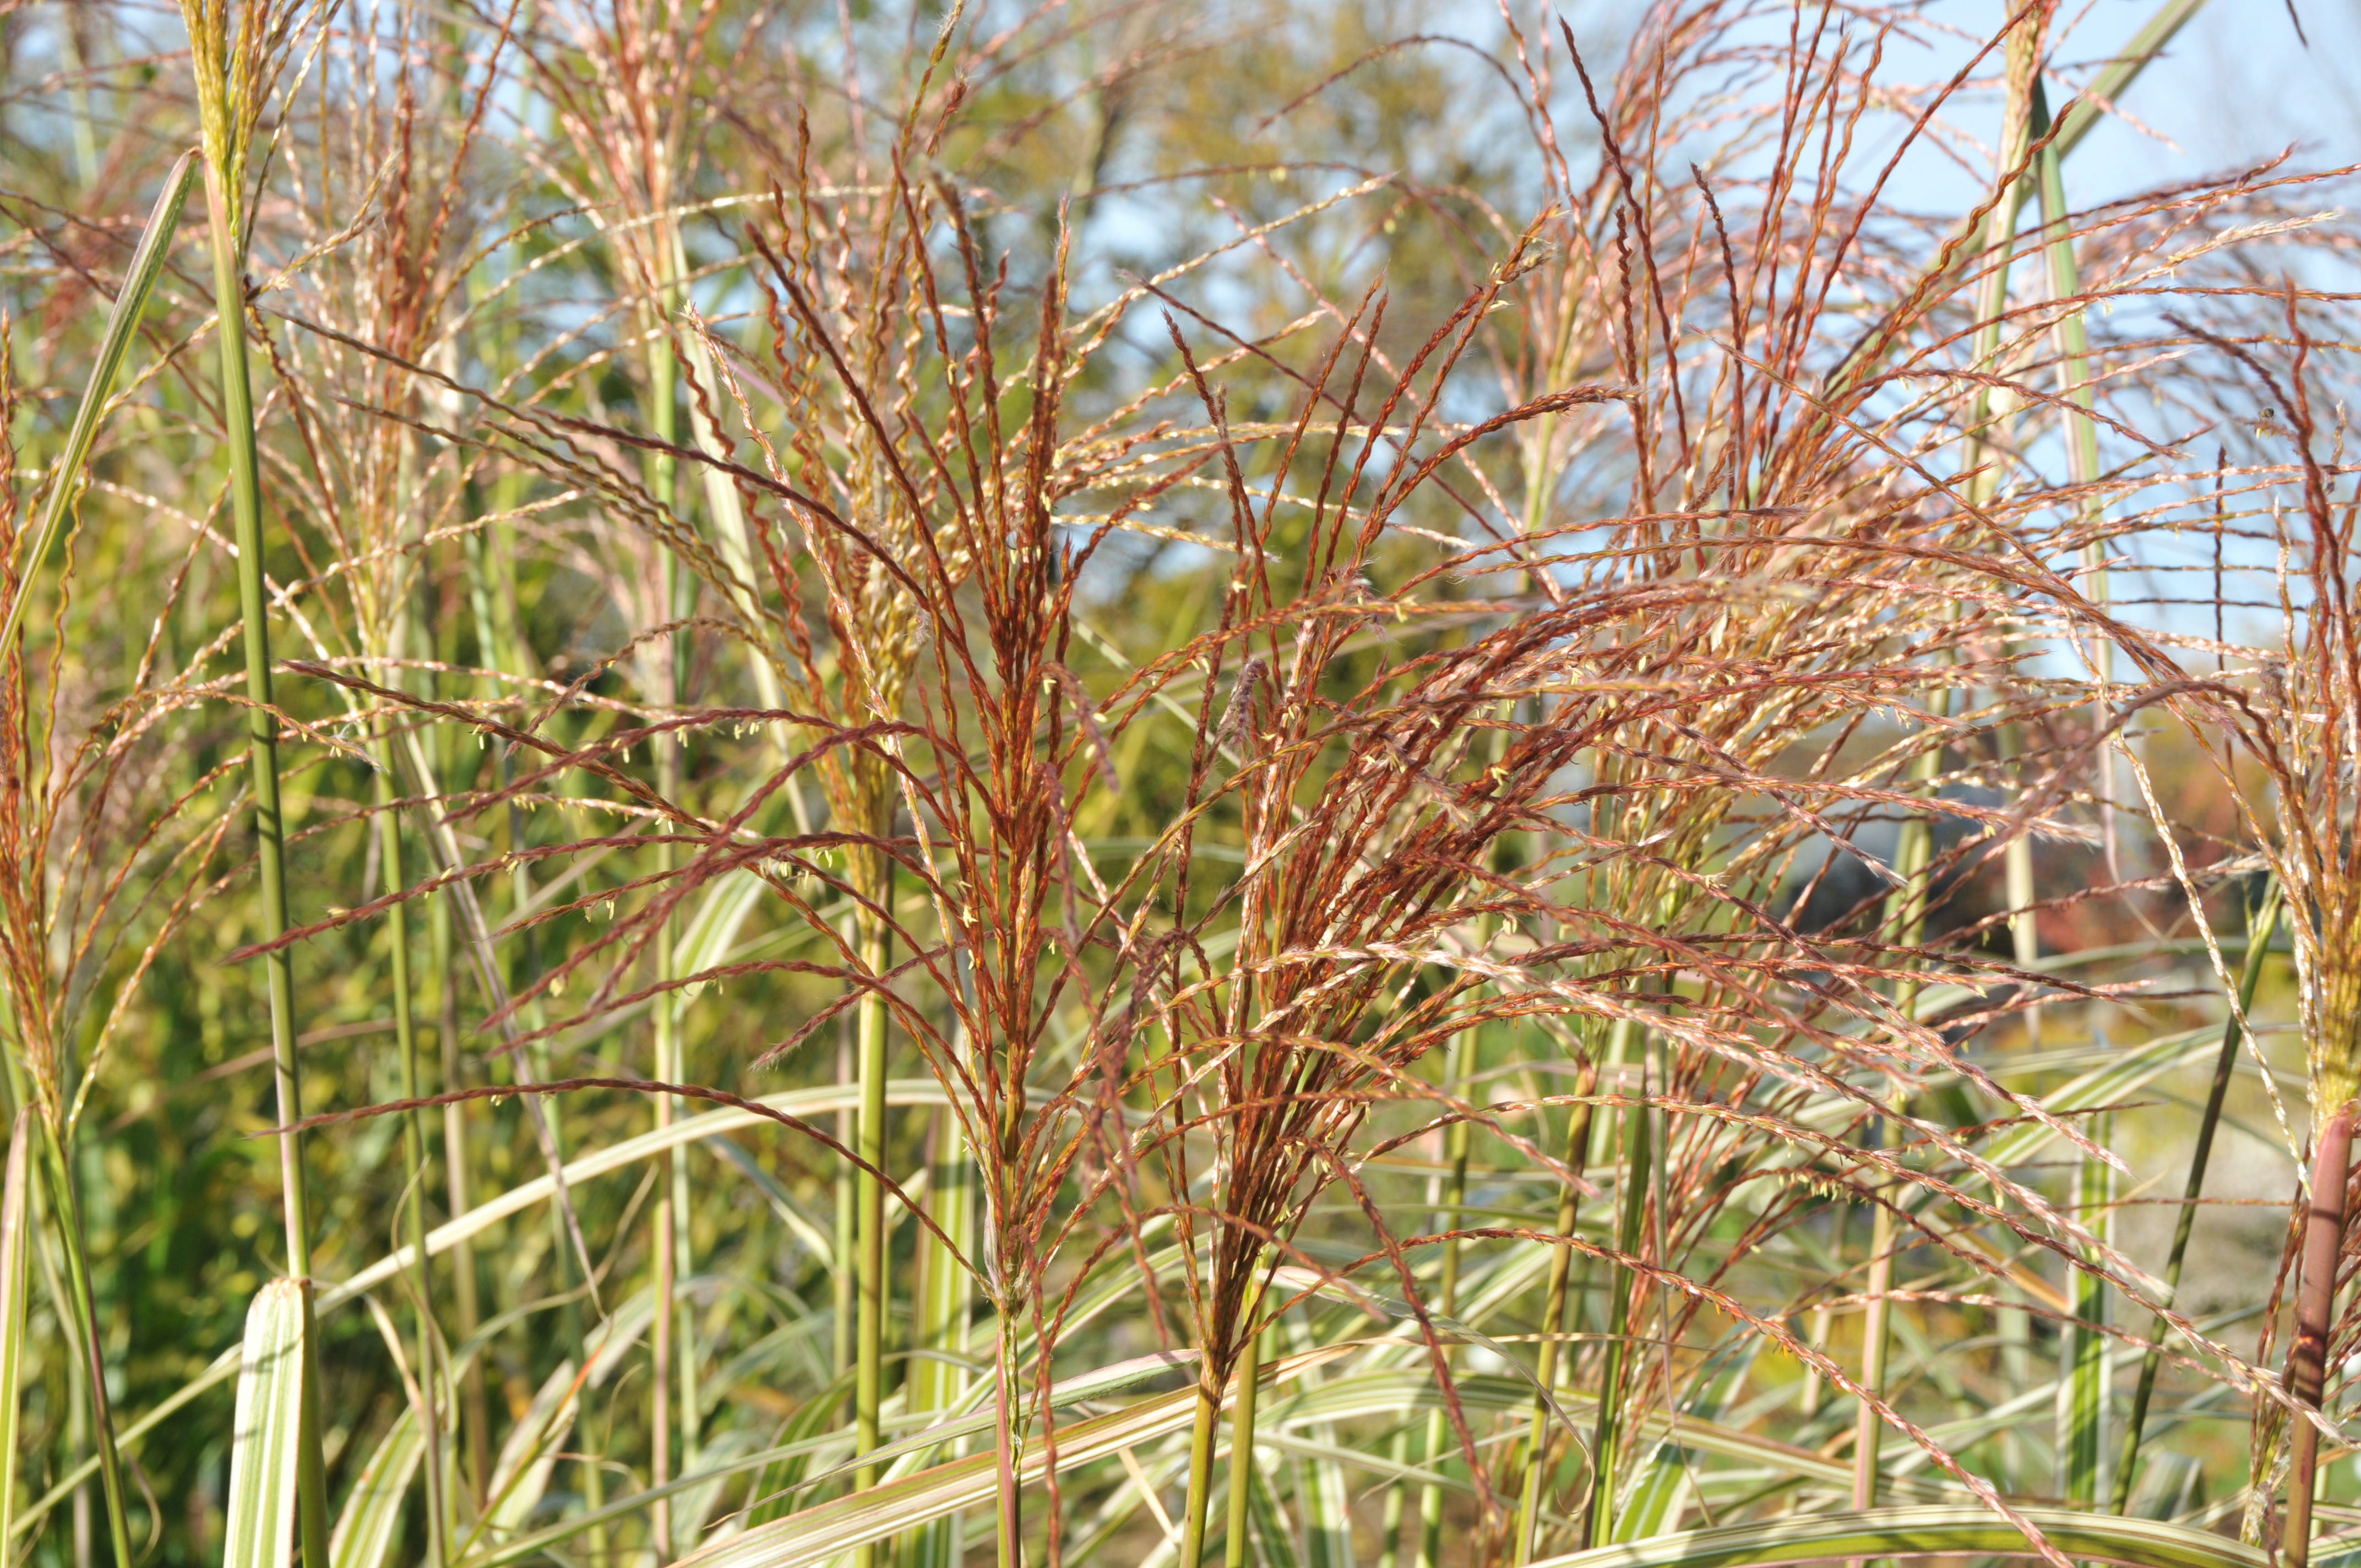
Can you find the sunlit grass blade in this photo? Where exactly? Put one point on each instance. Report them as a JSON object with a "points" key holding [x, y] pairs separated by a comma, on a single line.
{"points": [[529, 1458], [122, 322], [1322, 1494], [492, 1211], [784, 1471], [1922, 1532], [265, 1461], [818, 1534], [370, 1524], [483, 1217]]}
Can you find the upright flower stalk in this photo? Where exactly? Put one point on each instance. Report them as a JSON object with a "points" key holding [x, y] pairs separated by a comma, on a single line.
{"points": [[236, 59]]}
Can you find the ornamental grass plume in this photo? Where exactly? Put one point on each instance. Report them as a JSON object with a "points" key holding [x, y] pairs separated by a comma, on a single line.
{"points": [[1410, 702], [2298, 715]]}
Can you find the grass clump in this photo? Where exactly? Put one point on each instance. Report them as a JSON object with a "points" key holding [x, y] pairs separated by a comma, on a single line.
{"points": [[1015, 814]]}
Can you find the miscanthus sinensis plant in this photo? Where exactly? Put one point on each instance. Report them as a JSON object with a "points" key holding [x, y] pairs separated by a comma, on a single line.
{"points": [[1074, 786]]}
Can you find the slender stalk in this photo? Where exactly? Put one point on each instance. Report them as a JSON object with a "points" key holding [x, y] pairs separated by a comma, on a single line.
{"points": [[1869, 1428], [2084, 1452], [1915, 852], [1009, 1519], [1995, 402], [1991, 402], [1201, 1475], [77, 1439], [1457, 1143], [1237, 1547], [413, 1151], [2260, 928], [844, 1236], [665, 1010], [869, 1337], [668, 1341], [674, 1344], [475, 1420], [2315, 1315], [660, 1345], [2082, 434], [262, 735], [2025, 932], [1553, 1323], [1598, 1519]]}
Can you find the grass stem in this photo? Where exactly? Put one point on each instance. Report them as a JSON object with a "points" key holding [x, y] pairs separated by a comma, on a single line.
{"points": [[1599, 1517], [869, 1337], [262, 736], [1553, 1321], [1457, 1143], [1238, 1545], [2307, 1372], [413, 1153]]}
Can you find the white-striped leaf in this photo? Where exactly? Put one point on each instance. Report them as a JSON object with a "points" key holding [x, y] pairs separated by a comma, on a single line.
{"points": [[1922, 1532], [821, 1534], [371, 1521], [521, 1473], [263, 1441]]}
